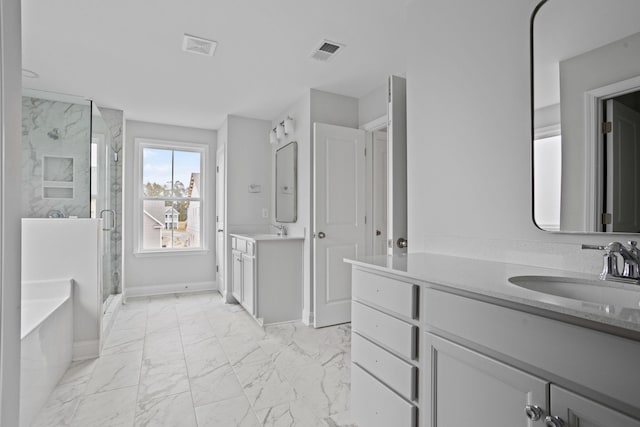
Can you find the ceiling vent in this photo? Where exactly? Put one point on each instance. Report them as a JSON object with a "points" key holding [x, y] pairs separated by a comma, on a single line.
{"points": [[326, 50], [198, 45]]}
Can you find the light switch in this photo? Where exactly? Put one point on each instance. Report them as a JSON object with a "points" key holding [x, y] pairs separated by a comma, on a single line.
{"points": [[265, 213]]}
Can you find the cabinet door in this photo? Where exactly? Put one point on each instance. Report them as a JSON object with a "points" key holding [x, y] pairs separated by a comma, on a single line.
{"points": [[236, 279], [470, 389], [248, 283], [578, 411]]}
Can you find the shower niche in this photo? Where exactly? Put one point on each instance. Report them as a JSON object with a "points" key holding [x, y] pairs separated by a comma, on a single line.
{"points": [[57, 177]]}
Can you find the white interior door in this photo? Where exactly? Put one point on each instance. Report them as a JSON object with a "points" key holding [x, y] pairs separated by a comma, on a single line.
{"points": [[220, 217], [623, 168], [339, 212], [397, 166]]}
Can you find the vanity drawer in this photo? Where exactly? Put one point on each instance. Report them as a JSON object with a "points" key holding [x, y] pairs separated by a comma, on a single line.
{"points": [[250, 248], [241, 245], [375, 405], [395, 295], [399, 336], [396, 373]]}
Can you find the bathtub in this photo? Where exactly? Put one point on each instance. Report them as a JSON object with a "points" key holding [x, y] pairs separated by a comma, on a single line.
{"points": [[47, 342]]}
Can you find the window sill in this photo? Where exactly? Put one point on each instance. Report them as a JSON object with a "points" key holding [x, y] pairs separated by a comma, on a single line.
{"points": [[171, 253]]}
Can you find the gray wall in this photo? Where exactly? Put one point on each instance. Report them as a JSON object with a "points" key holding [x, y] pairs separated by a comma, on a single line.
{"points": [[321, 107], [373, 105], [469, 147], [164, 273], [574, 82]]}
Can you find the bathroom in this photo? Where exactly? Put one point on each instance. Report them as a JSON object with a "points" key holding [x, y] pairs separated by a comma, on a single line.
{"points": [[468, 184]]}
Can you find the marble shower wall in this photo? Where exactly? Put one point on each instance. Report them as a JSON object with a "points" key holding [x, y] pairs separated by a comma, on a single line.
{"points": [[114, 120], [55, 158]]}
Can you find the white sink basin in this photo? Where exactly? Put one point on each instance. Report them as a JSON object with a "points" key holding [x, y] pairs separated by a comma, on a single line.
{"points": [[595, 291]]}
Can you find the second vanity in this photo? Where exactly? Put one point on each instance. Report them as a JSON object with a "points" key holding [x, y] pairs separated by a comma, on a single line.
{"points": [[443, 341], [266, 276]]}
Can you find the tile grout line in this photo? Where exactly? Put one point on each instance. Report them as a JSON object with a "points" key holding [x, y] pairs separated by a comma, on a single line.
{"points": [[144, 343], [235, 373], [184, 356]]}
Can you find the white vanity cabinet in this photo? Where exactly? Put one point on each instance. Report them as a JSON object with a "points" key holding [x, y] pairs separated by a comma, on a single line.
{"points": [[267, 276], [481, 361], [579, 411], [248, 283], [470, 389], [384, 351], [466, 383], [243, 278], [236, 275]]}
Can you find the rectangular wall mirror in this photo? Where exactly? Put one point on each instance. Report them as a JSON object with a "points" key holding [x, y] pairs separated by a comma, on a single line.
{"points": [[586, 115], [287, 183]]}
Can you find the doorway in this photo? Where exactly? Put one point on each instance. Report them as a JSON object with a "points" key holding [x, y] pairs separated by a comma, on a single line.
{"points": [[376, 189], [220, 221], [621, 163]]}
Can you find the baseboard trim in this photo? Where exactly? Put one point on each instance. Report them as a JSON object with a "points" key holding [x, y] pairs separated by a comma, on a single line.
{"points": [[88, 349], [307, 317], [169, 288]]}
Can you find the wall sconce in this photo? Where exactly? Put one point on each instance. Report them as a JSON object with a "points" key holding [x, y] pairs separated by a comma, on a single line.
{"points": [[273, 137], [280, 131], [288, 125]]}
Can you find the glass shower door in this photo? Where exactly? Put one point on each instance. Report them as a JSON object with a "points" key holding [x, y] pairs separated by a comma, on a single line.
{"points": [[102, 180]]}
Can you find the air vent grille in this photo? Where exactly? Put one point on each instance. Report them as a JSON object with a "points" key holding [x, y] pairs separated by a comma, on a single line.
{"points": [[198, 45], [326, 50], [329, 47]]}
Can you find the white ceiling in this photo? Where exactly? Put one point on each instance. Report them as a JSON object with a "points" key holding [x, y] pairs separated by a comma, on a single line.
{"points": [[126, 54]]}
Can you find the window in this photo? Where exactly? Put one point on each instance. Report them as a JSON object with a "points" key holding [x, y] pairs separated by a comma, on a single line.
{"points": [[170, 196], [547, 181]]}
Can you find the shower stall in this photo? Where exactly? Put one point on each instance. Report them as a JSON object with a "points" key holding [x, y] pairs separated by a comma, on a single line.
{"points": [[72, 168]]}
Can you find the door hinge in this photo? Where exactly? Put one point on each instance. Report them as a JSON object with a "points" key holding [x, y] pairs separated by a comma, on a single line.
{"points": [[389, 88], [606, 218], [606, 127], [365, 219], [365, 151], [217, 169], [217, 269]]}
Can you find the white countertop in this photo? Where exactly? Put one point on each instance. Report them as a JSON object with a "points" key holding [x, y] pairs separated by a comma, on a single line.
{"points": [[490, 279], [264, 236]]}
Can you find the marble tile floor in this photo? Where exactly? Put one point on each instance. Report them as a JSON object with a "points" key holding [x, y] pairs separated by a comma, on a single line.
{"points": [[191, 360]]}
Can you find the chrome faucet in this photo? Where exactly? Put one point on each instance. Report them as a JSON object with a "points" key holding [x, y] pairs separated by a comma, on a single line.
{"points": [[283, 229], [630, 258]]}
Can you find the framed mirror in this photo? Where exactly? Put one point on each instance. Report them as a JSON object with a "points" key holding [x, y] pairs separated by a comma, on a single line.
{"points": [[585, 60], [287, 183]]}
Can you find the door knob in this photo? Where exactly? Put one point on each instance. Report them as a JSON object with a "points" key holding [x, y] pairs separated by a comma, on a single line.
{"points": [[220, 230], [553, 422], [378, 232], [402, 243], [534, 412], [321, 235]]}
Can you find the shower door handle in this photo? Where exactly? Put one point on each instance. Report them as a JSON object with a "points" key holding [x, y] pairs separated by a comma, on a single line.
{"points": [[113, 219]]}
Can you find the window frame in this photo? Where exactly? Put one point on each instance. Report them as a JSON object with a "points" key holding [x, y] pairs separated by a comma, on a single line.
{"points": [[139, 198]]}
